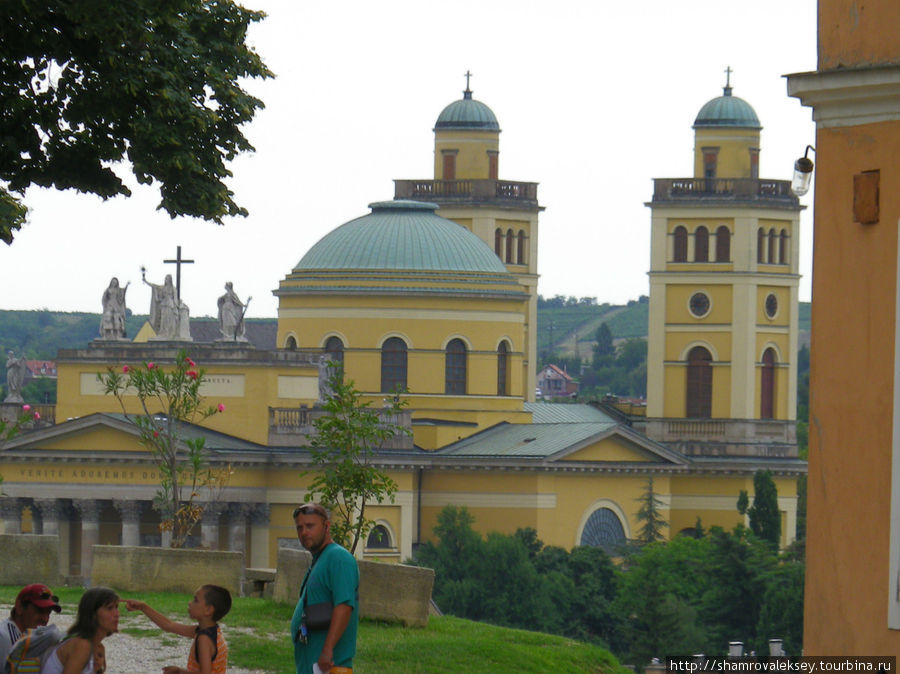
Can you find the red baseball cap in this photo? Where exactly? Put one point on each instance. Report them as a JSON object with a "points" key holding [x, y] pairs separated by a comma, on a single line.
{"points": [[40, 596]]}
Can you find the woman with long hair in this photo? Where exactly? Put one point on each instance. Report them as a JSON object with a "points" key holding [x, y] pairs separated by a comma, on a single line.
{"points": [[82, 651]]}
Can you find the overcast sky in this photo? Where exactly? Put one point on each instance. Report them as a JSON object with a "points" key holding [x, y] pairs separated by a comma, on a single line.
{"points": [[594, 99]]}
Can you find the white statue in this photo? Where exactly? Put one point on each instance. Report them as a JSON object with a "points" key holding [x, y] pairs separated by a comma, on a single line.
{"points": [[231, 315], [112, 323], [169, 316], [15, 378]]}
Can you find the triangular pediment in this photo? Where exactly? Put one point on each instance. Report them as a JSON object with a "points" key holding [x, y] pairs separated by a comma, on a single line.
{"points": [[94, 433], [617, 445]]}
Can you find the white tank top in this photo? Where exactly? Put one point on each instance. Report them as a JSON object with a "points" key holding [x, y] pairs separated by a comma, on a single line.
{"points": [[52, 664]]}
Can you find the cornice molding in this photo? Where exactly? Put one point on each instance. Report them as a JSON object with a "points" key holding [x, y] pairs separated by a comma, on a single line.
{"points": [[849, 96]]}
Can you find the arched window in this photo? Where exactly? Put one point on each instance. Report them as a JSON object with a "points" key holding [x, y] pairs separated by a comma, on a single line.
{"points": [[680, 252], [510, 241], [455, 368], [723, 244], [502, 369], [393, 365], [701, 245], [767, 386], [334, 349], [498, 242], [379, 538], [291, 343], [520, 247], [783, 247], [760, 246], [770, 258], [699, 384], [603, 530]]}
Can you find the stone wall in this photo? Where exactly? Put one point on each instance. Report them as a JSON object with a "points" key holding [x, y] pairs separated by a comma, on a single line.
{"points": [[27, 558], [389, 592], [140, 569]]}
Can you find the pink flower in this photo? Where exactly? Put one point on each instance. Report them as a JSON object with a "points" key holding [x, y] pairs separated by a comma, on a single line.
{"points": [[36, 416], [192, 374], [125, 369], [221, 407], [190, 362], [150, 366], [25, 408], [155, 434]]}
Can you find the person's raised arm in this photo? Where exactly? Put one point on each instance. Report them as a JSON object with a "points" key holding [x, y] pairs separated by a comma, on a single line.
{"points": [[162, 621]]}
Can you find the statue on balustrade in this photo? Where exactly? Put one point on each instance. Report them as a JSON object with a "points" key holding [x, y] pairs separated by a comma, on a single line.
{"points": [[169, 316], [231, 315], [112, 322], [15, 377]]}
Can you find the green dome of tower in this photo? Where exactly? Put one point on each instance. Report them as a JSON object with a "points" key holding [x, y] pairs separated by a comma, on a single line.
{"points": [[402, 235], [467, 114], [727, 111]]}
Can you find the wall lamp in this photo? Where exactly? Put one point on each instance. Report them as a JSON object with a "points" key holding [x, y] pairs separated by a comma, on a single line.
{"points": [[803, 169]]}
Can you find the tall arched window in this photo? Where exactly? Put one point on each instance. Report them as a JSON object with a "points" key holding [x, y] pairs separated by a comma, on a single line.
{"points": [[334, 349], [502, 369], [770, 258], [604, 530], [510, 241], [767, 386], [701, 245], [291, 343], [498, 242], [723, 244], [783, 247], [680, 247], [455, 368], [379, 538], [760, 246], [520, 247], [699, 384], [393, 365]]}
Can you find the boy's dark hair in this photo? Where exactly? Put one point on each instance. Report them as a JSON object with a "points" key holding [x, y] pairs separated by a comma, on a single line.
{"points": [[219, 598], [85, 625]]}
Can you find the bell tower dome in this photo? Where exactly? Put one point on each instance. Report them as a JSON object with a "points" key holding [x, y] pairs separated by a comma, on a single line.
{"points": [[466, 140]]}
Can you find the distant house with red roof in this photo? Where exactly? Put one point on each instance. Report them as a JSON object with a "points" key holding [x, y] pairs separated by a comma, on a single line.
{"points": [[38, 369], [552, 382]]}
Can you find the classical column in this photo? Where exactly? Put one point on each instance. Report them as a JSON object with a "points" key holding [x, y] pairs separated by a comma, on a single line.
{"points": [[11, 512], [89, 510], [51, 510], [131, 521], [165, 538], [37, 521], [259, 536], [209, 525], [237, 526]]}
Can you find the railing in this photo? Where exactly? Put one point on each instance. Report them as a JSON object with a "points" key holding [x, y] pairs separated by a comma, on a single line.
{"points": [[294, 426], [466, 190], [673, 189]]}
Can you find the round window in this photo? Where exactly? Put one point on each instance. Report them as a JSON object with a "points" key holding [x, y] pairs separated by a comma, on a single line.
{"points": [[699, 304], [771, 305]]}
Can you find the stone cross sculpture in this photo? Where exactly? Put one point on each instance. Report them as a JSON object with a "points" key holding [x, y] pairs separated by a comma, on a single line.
{"points": [[169, 316]]}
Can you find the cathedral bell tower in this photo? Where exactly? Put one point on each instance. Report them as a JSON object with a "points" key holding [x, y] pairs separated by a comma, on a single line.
{"points": [[724, 274], [469, 191]]}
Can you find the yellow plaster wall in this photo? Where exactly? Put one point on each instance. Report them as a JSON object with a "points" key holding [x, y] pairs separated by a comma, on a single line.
{"points": [[472, 152], [734, 151], [783, 315], [678, 297], [610, 449]]}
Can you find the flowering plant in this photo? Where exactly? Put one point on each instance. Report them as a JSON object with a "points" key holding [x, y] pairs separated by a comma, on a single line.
{"points": [[168, 398]]}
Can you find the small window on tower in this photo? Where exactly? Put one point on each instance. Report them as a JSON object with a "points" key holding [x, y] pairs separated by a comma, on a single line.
{"points": [[493, 164], [449, 164]]}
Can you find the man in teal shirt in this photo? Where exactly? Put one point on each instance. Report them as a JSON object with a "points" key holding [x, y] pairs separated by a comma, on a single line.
{"points": [[332, 579]]}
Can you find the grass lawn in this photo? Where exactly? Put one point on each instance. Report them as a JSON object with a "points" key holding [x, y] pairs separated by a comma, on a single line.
{"points": [[256, 630]]}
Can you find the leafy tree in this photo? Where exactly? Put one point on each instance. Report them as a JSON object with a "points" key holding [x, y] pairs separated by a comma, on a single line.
{"points": [[344, 476], [84, 85], [166, 399], [632, 353], [604, 349], [743, 502], [648, 513], [765, 518], [781, 613]]}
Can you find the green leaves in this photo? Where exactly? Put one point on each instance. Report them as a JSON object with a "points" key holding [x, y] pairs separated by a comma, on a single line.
{"points": [[168, 396], [85, 85], [344, 477]]}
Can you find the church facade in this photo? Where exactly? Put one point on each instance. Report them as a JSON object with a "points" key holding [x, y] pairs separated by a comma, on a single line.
{"points": [[432, 296]]}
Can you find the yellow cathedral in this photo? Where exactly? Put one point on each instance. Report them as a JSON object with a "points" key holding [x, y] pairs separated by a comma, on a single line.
{"points": [[435, 292]]}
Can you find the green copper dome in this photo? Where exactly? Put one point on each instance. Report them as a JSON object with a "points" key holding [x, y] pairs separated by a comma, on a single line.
{"points": [[402, 235], [728, 111], [467, 114]]}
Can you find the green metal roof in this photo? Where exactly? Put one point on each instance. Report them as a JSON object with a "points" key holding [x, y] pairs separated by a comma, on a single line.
{"points": [[467, 113], [550, 413], [729, 111], [536, 441], [402, 235]]}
